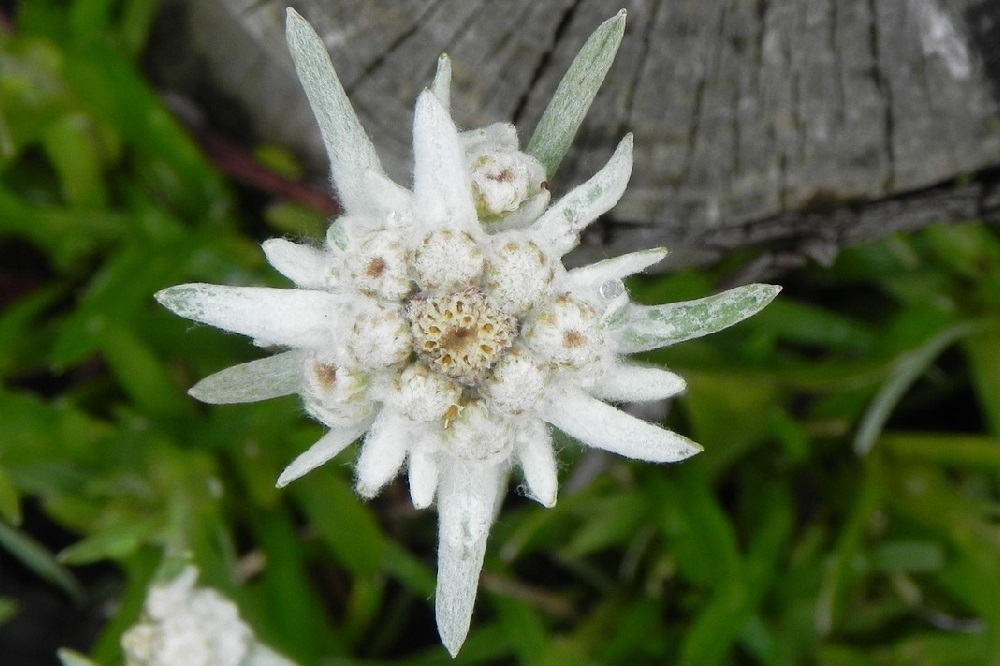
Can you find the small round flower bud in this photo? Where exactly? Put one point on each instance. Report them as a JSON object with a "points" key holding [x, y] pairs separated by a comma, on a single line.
{"points": [[447, 260], [516, 383], [566, 333], [518, 274], [335, 395], [379, 337], [423, 395], [502, 181], [379, 266]]}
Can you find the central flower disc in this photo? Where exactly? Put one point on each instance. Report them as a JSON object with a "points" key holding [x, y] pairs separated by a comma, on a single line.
{"points": [[461, 334]]}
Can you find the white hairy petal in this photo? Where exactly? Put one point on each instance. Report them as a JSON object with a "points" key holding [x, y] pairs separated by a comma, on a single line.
{"points": [[467, 500], [263, 379], [328, 446], [423, 477], [558, 230], [350, 151], [441, 86], [538, 462], [441, 183], [637, 328], [635, 383], [383, 452], [604, 427], [616, 268], [302, 264], [288, 317]]}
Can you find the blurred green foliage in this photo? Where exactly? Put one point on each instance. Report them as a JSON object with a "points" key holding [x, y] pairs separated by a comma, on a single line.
{"points": [[844, 511]]}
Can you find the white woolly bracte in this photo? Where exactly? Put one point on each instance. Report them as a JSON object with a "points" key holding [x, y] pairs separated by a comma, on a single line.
{"points": [[628, 382], [558, 230], [441, 186], [302, 318], [537, 459], [328, 446], [602, 426], [600, 284], [422, 472], [304, 265], [383, 452], [348, 147], [469, 496]]}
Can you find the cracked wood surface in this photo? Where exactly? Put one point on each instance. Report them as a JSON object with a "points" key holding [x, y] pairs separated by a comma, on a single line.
{"points": [[798, 123]]}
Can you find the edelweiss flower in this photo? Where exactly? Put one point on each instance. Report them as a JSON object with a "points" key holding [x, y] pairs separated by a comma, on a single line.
{"points": [[194, 626], [441, 322]]}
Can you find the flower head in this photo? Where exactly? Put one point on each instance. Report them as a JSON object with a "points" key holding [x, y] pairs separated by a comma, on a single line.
{"points": [[439, 322], [196, 626]]}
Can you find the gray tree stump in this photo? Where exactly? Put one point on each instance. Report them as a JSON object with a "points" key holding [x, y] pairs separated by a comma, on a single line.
{"points": [[801, 124]]}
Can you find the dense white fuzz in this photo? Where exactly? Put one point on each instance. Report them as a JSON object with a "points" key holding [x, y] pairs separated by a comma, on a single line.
{"points": [[293, 318], [602, 426], [479, 435], [468, 496], [379, 337], [440, 178], [447, 260], [441, 322], [383, 453], [423, 477], [304, 265], [518, 274], [424, 395], [517, 383], [332, 443], [379, 266], [537, 459], [634, 383]]}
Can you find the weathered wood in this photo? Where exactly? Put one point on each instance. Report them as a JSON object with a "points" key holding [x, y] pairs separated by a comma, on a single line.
{"points": [[804, 122]]}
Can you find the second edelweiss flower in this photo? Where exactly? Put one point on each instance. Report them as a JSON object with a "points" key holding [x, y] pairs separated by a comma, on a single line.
{"points": [[441, 321]]}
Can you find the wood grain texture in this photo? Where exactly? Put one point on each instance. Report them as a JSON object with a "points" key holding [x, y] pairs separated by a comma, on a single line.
{"points": [[806, 123]]}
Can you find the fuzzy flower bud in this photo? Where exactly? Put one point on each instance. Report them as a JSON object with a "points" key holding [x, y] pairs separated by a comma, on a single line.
{"points": [[379, 267], [447, 260], [567, 333], [518, 274]]}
